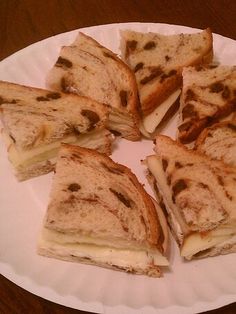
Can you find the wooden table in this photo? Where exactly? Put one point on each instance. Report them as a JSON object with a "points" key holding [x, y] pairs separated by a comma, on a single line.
{"points": [[23, 22]]}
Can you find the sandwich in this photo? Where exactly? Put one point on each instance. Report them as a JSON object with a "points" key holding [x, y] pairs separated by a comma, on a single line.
{"points": [[99, 214], [87, 68], [199, 195], [219, 142], [208, 96], [157, 61], [35, 122]]}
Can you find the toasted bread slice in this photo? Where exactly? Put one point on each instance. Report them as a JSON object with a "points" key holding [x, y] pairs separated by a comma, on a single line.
{"points": [[87, 68], [100, 214], [219, 142], [158, 60], [199, 195], [208, 95], [36, 121]]}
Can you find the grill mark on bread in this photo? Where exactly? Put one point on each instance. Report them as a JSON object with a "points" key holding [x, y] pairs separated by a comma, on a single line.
{"points": [[178, 187], [112, 169], [121, 198], [64, 63], [155, 72], [149, 45], [138, 66], [92, 116], [123, 98]]}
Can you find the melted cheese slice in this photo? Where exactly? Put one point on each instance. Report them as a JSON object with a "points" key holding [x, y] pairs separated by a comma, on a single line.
{"points": [[195, 242], [25, 158], [82, 246], [151, 121]]}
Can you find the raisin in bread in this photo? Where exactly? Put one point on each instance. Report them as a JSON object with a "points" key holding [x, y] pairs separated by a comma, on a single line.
{"points": [[157, 61], [35, 122], [87, 68], [100, 214], [219, 142], [208, 95], [199, 195]]}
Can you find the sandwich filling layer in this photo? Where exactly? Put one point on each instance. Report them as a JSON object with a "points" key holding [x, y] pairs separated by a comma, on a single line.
{"points": [[25, 158], [191, 243], [151, 121], [87, 247]]}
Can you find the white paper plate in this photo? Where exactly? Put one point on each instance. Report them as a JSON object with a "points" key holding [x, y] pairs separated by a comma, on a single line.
{"points": [[186, 288]]}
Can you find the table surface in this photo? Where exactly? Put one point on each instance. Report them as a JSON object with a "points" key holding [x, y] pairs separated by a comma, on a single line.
{"points": [[23, 22]]}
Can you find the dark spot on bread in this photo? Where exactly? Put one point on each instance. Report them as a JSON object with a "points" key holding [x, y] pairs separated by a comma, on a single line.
{"points": [[189, 164], [138, 66], [109, 55], [121, 197], [42, 98], [178, 165], [112, 169], [220, 180], [64, 86], [189, 95], [168, 179], [92, 116], [228, 196], [216, 87], [74, 187], [178, 187], [53, 95], [63, 62], [185, 126], [115, 132], [149, 45], [226, 92], [167, 58], [154, 73], [189, 111], [203, 185], [51, 221], [13, 139], [166, 75], [164, 163], [123, 98], [231, 126], [199, 68], [130, 46]]}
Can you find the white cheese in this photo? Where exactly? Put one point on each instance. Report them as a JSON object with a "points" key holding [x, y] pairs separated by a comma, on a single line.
{"points": [[151, 121], [87, 247]]}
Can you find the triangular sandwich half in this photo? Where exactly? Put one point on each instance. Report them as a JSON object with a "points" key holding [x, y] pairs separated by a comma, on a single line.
{"points": [[88, 68], [35, 122], [199, 195], [100, 214], [157, 61], [208, 95]]}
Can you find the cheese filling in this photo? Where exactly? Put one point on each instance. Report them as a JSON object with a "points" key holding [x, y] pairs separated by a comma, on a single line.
{"points": [[20, 158], [195, 242], [151, 121], [65, 245]]}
